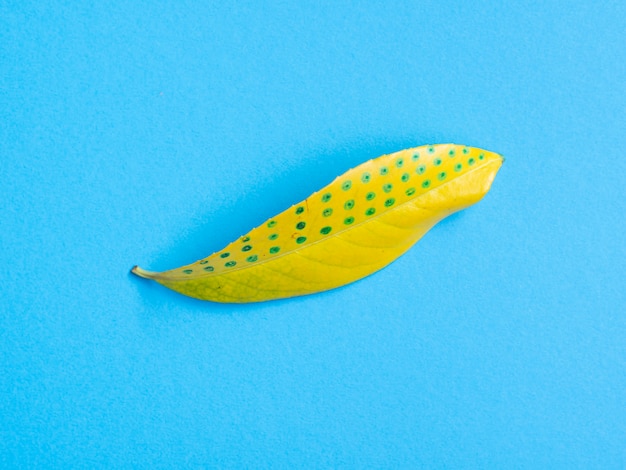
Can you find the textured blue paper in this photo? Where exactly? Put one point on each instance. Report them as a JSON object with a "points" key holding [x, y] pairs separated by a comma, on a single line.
{"points": [[154, 133]]}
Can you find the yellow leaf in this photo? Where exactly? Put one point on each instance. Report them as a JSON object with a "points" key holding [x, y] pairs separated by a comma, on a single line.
{"points": [[356, 225]]}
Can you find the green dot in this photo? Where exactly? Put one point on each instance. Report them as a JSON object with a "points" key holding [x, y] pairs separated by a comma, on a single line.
{"points": [[384, 170], [431, 149], [346, 185], [426, 184], [271, 223], [366, 177], [204, 261], [230, 264], [369, 196], [325, 230], [300, 240], [225, 255], [349, 204], [458, 167], [405, 177], [465, 150], [399, 162], [188, 271], [471, 161], [387, 187], [348, 220], [370, 211], [410, 191], [437, 161], [420, 169], [209, 269], [416, 157], [273, 236], [246, 248], [389, 202], [442, 176], [300, 225], [481, 156], [300, 210], [452, 152], [326, 197], [252, 259], [327, 212], [274, 249]]}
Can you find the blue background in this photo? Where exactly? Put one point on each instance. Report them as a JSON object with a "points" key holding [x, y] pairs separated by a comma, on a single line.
{"points": [[154, 133]]}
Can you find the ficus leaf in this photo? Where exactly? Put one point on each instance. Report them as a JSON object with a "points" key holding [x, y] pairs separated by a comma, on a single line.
{"points": [[358, 224]]}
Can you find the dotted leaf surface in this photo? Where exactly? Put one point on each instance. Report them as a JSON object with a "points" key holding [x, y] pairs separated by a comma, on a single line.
{"points": [[358, 224]]}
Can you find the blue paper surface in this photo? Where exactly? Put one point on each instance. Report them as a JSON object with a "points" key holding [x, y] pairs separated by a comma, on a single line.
{"points": [[154, 133]]}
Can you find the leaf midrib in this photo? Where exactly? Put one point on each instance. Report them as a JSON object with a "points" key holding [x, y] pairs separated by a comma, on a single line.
{"points": [[177, 277]]}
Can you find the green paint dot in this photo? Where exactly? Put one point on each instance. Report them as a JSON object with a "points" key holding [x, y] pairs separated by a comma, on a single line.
{"points": [[274, 249], [426, 184], [465, 150], [452, 152], [271, 223], [349, 204], [370, 211], [387, 187], [471, 161], [416, 157], [437, 161], [230, 264], [300, 210], [348, 220], [204, 261], [245, 239], [389, 202], [481, 156], [369, 196], [346, 185], [252, 259], [399, 162], [225, 255], [431, 149], [273, 236], [366, 177], [405, 177], [209, 269], [420, 169], [188, 271], [246, 248], [300, 240], [327, 212], [326, 197], [410, 191], [458, 167], [384, 170], [300, 225], [442, 176], [325, 230]]}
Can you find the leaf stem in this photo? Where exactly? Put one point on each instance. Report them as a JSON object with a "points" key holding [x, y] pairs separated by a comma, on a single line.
{"points": [[143, 273]]}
